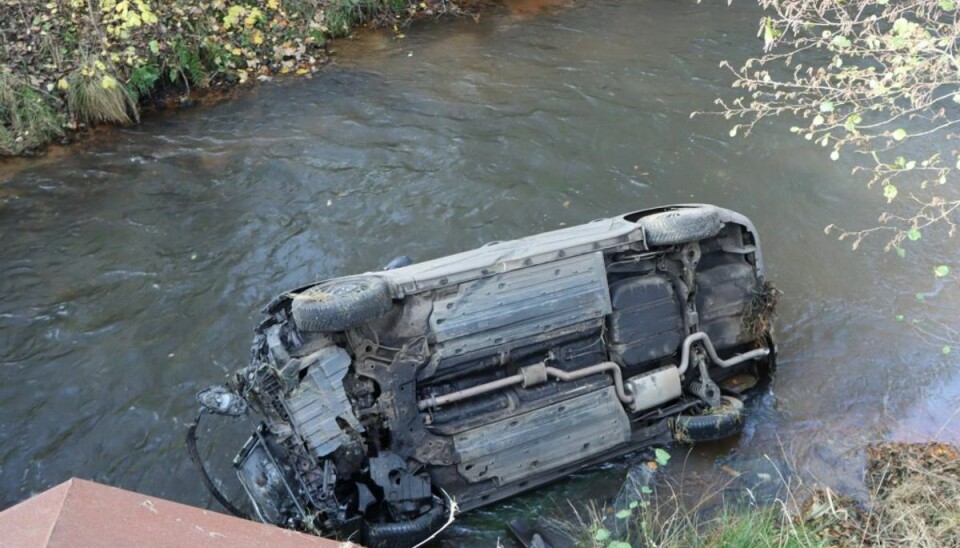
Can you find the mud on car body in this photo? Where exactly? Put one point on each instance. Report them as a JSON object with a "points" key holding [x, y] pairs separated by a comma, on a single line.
{"points": [[486, 373]]}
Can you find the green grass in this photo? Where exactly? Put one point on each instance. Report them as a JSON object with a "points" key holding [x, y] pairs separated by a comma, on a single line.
{"points": [[914, 500], [733, 527], [662, 518], [28, 119], [756, 527]]}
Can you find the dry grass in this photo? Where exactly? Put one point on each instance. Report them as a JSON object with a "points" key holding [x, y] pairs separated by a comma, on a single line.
{"points": [[758, 319], [94, 97], [917, 495]]}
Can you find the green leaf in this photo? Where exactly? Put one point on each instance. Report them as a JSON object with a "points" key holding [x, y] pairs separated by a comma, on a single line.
{"points": [[835, 155], [623, 514], [899, 317], [889, 192], [818, 120], [921, 298], [946, 350], [646, 490], [948, 5], [154, 47], [913, 234], [826, 106], [634, 504], [901, 252], [601, 535], [850, 124], [619, 544], [899, 134], [941, 271], [841, 42], [662, 456]]}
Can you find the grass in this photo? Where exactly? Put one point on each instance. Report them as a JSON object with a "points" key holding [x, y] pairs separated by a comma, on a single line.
{"points": [[93, 96], [918, 491], [668, 522], [27, 117], [914, 501], [144, 51]]}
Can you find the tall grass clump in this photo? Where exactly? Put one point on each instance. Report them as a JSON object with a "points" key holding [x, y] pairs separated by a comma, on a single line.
{"points": [[27, 118], [94, 95]]}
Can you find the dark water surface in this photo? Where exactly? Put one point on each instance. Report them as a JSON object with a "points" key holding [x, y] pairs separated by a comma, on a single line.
{"points": [[133, 265]]}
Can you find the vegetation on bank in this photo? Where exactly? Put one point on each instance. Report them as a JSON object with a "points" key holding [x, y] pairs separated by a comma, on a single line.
{"points": [[70, 64], [875, 79], [914, 501]]}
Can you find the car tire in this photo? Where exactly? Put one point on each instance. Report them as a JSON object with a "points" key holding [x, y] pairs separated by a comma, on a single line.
{"points": [[341, 305], [722, 422], [679, 226]]}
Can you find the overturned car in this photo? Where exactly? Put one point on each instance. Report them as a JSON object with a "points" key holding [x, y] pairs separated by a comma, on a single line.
{"points": [[379, 397]]}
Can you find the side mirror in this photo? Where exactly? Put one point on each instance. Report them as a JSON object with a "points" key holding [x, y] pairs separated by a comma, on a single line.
{"points": [[221, 401]]}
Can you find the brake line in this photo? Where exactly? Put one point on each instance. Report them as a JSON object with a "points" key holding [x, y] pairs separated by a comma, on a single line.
{"points": [[204, 475]]}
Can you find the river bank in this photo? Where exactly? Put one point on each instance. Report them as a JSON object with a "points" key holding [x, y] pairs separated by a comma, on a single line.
{"points": [[913, 499], [69, 65]]}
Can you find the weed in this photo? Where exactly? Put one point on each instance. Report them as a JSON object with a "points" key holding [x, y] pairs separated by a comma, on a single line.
{"points": [[189, 63], [142, 80], [94, 95], [27, 118]]}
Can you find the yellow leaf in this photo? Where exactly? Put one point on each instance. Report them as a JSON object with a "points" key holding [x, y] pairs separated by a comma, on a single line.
{"points": [[99, 64], [253, 18], [257, 37], [244, 76], [63, 84], [108, 82], [273, 4], [302, 71]]}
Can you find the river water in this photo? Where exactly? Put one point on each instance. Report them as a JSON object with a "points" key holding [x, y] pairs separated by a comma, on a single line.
{"points": [[133, 264]]}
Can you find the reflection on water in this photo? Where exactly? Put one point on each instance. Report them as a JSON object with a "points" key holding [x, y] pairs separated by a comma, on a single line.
{"points": [[133, 265]]}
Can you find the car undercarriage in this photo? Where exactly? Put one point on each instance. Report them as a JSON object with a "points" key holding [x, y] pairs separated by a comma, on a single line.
{"points": [[380, 397]]}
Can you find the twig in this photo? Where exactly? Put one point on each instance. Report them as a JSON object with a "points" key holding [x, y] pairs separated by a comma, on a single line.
{"points": [[450, 519]]}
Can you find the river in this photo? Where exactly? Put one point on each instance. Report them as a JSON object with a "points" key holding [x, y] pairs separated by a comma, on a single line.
{"points": [[134, 263]]}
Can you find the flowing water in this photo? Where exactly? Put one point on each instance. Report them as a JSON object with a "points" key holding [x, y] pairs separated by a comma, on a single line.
{"points": [[133, 264]]}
